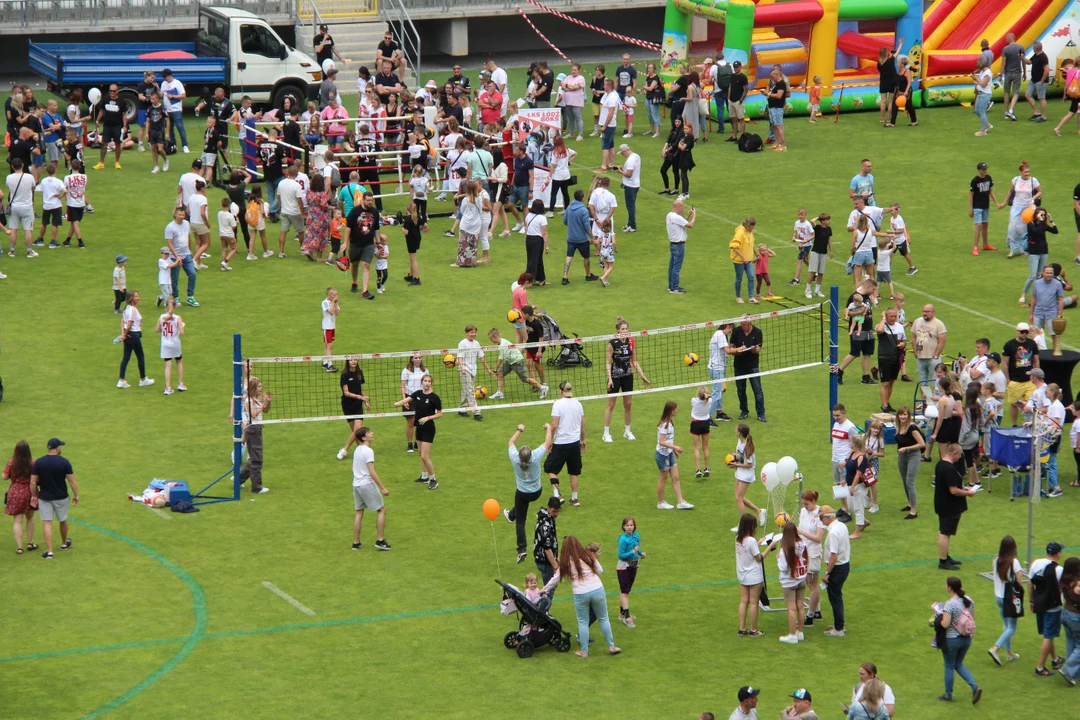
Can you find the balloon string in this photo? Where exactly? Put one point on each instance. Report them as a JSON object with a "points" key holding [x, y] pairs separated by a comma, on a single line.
{"points": [[496, 544]]}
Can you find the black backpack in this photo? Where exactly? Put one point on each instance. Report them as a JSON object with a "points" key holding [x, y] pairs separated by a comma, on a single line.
{"points": [[749, 142], [1047, 593], [170, 147]]}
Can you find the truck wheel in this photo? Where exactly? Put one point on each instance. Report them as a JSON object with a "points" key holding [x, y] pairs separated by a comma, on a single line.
{"points": [[130, 102], [288, 91]]}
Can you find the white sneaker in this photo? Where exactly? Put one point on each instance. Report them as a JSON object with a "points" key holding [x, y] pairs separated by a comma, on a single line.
{"points": [[735, 529], [3, 276], [379, 290], [262, 491], [761, 517], [252, 257], [182, 387], [341, 454], [808, 294], [186, 151], [123, 384], [498, 395], [790, 639], [579, 138], [607, 438], [874, 508], [165, 167], [664, 506], [168, 391], [225, 266], [141, 148], [146, 382], [156, 169], [818, 293], [628, 435], [543, 391], [31, 253], [518, 226], [204, 255], [628, 135], [685, 506], [800, 636], [268, 253]]}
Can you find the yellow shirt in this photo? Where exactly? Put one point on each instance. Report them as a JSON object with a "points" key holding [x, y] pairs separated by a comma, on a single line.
{"points": [[744, 243]]}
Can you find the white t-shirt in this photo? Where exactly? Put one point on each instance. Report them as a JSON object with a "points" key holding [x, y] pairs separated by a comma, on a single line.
{"points": [[603, 203], [717, 356], [187, 186], [699, 409], [786, 580], [21, 189], [747, 568], [226, 224], [360, 459], [468, 353], [888, 699], [289, 192], [633, 164], [75, 183], [419, 186], [745, 474], [170, 336], [534, 223], [978, 363], [999, 584], [884, 258], [382, 254], [898, 226], [569, 412], [195, 206], [412, 379], [676, 227], [498, 76], [810, 522], [841, 439], [988, 88], [168, 88], [738, 714], [133, 316], [1024, 190], [1056, 411], [666, 433], [329, 319], [804, 232], [1074, 433], [179, 236], [164, 272], [1038, 566], [609, 109], [838, 541], [304, 182], [998, 378], [51, 189], [871, 211]]}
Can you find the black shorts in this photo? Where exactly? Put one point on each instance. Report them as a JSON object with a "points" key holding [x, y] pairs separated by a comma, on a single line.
{"points": [[627, 576], [902, 249], [579, 248], [700, 427], [110, 133], [889, 369], [970, 456], [1074, 106], [350, 406], [425, 432], [55, 217], [75, 214], [621, 384], [861, 347], [500, 194], [568, 455], [1075, 216], [156, 135], [948, 524], [411, 246], [364, 253]]}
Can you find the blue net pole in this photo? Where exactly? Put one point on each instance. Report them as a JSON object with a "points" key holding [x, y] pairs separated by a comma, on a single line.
{"points": [[238, 427], [834, 350]]}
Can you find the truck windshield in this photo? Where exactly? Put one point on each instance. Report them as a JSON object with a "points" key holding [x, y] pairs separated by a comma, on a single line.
{"points": [[214, 33], [259, 40]]}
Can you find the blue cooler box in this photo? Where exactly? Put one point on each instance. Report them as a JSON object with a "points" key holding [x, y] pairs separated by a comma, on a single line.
{"points": [[178, 490]]}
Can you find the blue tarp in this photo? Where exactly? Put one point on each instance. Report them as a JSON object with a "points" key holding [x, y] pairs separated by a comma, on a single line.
{"points": [[1011, 446]]}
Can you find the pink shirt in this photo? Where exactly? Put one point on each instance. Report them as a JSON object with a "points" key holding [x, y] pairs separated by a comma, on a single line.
{"points": [[574, 91], [588, 581], [761, 265], [520, 299], [329, 115]]}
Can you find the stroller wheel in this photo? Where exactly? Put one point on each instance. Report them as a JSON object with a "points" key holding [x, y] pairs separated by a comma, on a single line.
{"points": [[510, 640], [551, 361], [587, 364], [563, 643], [525, 649]]}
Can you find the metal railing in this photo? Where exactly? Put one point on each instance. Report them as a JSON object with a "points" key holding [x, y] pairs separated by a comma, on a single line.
{"points": [[401, 25], [335, 9], [93, 13]]}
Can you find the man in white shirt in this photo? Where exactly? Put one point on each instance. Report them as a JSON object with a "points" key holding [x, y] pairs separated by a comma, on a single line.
{"points": [[747, 709], [498, 76], [291, 198], [468, 353], [368, 489], [838, 565], [676, 232], [861, 208], [602, 204], [20, 197], [568, 432], [631, 172], [976, 369], [610, 102], [842, 432], [172, 95], [719, 349], [52, 191], [185, 188]]}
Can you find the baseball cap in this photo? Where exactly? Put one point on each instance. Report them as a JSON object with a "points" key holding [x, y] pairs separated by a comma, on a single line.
{"points": [[624, 147], [826, 511], [57, 442], [748, 692], [1022, 327], [708, 61], [801, 694], [996, 357], [981, 166], [566, 387], [1037, 373], [165, 250], [121, 258], [1052, 548], [431, 84], [323, 27], [736, 64], [166, 72]]}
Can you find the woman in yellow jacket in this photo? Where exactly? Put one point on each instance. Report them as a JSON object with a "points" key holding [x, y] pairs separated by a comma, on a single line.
{"points": [[742, 256]]}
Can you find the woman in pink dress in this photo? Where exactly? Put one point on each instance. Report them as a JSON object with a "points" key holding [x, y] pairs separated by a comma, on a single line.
{"points": [[18, 470], [317, 234]]}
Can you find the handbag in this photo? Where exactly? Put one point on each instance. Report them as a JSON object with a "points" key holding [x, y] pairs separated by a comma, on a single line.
{"points": [[572, 180], [1013, 601]]}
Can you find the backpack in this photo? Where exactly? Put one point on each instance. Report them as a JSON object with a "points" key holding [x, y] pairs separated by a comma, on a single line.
{"points": [[723, 76], [1047, 593], [965, 626], [253, 212], [1073, 88], [335, 177], [358, 196], [749, 142]]}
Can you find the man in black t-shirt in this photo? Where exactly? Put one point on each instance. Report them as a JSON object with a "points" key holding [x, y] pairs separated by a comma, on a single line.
{"points": [[950, 500], [22, 147], [979, 197], [273, 159], [49, 480], [820, 252], [361, 227], [222, 109], [746, 343], [892, 343], [777, 99], [389, 51], [325, 48], [862, 340], [523, 178], [112, 126], [737, 92], [155, 129], [542, 98], [387, 83], [1022, 356], [1039, 79], [459, 81], [148, 85]]}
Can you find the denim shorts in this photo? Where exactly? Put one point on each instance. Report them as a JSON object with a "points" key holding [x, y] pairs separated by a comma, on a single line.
{"points": [[607, 142], [519, 195], [980, 215], [776, 116], [665, 462], [864, 257], [1037, 89], [1048, 624]]}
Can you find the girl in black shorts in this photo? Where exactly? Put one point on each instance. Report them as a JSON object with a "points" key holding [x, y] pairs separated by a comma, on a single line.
{"points": [[621, 364], [699, 429], [353, 400], [427, 408], [411, 227]]}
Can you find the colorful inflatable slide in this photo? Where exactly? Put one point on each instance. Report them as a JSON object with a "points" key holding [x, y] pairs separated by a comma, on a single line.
{"points": [[839, 41]]}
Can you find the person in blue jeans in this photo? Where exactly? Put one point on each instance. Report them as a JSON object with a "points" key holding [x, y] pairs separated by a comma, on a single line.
{"points": [[956, 644], [173, 92], [1070, 618], [719, 349], [176, 236], [1006, 570], [584, 570], [676, 230]]}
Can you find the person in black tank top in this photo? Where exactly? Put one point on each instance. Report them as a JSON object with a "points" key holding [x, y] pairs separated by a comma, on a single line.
{"points": [[428, 408], [621, 364]]}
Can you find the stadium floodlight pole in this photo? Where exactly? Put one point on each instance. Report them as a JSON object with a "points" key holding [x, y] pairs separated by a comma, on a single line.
{"points": [[834, 350]]}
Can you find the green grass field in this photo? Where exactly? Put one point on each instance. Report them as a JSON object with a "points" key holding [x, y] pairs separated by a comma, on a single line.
{"points": [[152, 616]]}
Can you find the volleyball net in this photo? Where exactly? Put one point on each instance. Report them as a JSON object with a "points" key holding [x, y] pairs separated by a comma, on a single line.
{"points": [[671, 358]]}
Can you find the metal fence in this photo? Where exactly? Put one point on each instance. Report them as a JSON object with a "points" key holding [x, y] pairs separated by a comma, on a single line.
{"points": [[72, 14], [401, 25]]}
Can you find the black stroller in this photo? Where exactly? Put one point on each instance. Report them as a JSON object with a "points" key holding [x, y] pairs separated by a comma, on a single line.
{"points": [[571, 355], [536, 627]]}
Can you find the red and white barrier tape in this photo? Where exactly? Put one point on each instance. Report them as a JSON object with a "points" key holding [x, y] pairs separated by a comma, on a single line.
{"points": [[542, 36], [633, 41]]}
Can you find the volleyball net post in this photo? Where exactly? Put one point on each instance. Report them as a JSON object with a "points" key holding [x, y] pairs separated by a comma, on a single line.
{"points": [[202, 497], [834, 351]]}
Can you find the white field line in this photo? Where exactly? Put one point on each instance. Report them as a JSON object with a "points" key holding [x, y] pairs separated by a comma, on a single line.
{"points": [[287, 598], [161, 513]]}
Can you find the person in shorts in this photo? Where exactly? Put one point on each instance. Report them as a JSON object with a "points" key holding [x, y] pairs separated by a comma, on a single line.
{"points": [[155, 127], [49, 481], [512, 361], [212, 143], [114, 124], [362, 226], [568, 431], [52, 125], [52, 204], [1039, 79], [368, 489]]}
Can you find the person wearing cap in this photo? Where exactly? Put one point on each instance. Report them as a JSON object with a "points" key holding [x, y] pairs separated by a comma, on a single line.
{"points": [[979, 197], [631, 172], [173, 94], [389, 51], [800, 708], [49, 480], [1047, 302], [325, 49], [428, 94], [837, 569], [1021, 356], [928, 335], [546, 538], [1038, 402], [737, 92], [1044, 599], [747, 709], [568, 443]]}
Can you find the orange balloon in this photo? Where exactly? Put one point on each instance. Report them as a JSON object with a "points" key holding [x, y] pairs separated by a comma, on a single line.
{"points": [[491, 508], [1028, 214], [901, 101]]}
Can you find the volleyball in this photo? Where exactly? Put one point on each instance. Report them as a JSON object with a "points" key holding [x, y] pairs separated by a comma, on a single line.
{"points": [[158, 501], [782, 519], [691, 359], [481, 392], [513, 315], [729, 458], [448, 360]]}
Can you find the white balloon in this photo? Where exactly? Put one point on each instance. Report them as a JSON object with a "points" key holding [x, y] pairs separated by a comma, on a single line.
{"points": [[328, 65], [931, 412], [786, 467], [234, 208], [94, 96], [769, 477]]}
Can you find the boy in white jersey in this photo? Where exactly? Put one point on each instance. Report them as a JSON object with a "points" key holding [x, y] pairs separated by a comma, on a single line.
{"points": [[330, 311], [52, 191], [803, 236], [171, 326], [843, 430], [227, 224], [75, 184], [165, 264], [886, 248], [901, 236]]}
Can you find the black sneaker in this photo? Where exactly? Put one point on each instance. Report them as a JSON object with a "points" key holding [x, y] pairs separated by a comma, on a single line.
{"points": [[565, 281], [357, 545], [888, 409], [433, 484], [808, 621], [66, 544], [905, 378], [723, 417], [839, 377], [368, 296], [591, 278], [744, 415], [946, 565], [713, 423], [331, 369], [382, 545], [521, 557], [414, 281], [478, 418], [47, 555], [953, 561], [421, 480], [409, 278], [762, 418], [731, 139], [409, 448], [817, 614], [462, 413], [867, 380], [82, 246], [448, 233], [793, 282], [53, 245], [354, 288], [67, 243], [1057, 663]]}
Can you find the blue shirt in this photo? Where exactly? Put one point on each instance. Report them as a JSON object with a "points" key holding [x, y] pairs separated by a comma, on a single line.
{"points": [[627, 543], [48, 119], [864, 186], [577, 221], [1046, 297], [528, 481]]}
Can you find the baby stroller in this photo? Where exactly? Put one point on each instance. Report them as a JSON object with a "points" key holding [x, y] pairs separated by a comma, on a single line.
{"points": [[567, 355], [536, 627]]}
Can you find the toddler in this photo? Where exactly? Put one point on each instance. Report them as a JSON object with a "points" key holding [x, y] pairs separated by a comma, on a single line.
{"points": [[382, 251], [886, 248], [761, 269], [628, 106], [227, 232], [875, 450], [991, 418], [532, 588], [856, 310], [815, 99], [119, 283], [336, 223], [608, 248], [165, 264]]}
